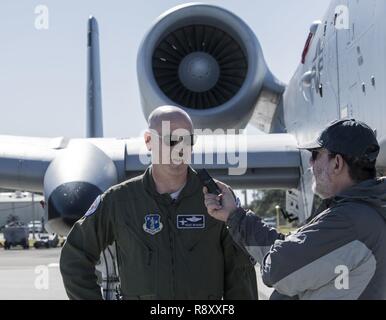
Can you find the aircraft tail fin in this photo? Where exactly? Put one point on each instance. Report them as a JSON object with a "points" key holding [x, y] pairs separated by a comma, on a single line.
{"points": [[94, 114]]}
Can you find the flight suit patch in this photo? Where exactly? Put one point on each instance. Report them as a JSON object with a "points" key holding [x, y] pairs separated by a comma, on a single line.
{"points": [[152, 224], [190, 221], [93, 207]]}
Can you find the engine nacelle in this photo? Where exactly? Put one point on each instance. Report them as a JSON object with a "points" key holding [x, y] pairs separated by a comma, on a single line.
{"points": [[205, 60], [72, 182]]}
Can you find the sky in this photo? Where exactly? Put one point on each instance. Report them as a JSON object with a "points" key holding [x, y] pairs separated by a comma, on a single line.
{"points": [[43, 72]]}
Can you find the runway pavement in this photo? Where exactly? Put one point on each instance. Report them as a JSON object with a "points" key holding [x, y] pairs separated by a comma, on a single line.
{"points": [[34, 275], [30, 275]]}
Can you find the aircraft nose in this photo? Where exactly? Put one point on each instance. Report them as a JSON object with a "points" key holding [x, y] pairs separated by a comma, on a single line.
{"points": [[68, 203]]}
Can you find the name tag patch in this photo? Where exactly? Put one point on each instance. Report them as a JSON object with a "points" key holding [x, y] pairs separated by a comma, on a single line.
{"points": [[190, 221]]}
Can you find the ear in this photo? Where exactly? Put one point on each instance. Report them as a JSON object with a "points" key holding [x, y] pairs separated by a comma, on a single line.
{"points": [[339, 164], [147, 137]]}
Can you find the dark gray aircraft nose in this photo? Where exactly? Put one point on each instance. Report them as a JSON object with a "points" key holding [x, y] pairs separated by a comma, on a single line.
{"points": [[68, 203], [72, 182]]}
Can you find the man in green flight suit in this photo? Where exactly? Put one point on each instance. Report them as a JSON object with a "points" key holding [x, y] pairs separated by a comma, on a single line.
{"points": [[167, 244]]}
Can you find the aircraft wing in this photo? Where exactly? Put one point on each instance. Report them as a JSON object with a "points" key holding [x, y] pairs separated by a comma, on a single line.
{"points": [[255, 161], [24, 160], [72, 173], [251, 161]]}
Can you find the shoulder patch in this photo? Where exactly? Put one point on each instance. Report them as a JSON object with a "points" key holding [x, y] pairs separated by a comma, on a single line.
{"points": [[94, 206]]}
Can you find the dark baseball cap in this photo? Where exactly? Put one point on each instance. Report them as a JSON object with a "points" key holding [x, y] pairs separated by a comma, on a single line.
{"points": [[347, 137]]}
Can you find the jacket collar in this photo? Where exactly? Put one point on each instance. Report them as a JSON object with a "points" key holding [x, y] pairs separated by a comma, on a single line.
{"points": [[192, 186]]}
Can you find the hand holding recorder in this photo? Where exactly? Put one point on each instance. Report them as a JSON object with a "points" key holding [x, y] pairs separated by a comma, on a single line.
{"points": [[219, 198]]}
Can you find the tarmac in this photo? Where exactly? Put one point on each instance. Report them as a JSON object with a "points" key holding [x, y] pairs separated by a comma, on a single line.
{"points": [[30, 275], [34, 275]]}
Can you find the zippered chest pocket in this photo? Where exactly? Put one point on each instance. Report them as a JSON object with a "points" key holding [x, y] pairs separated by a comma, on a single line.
{"points": [[135, 249], [138, 262]]}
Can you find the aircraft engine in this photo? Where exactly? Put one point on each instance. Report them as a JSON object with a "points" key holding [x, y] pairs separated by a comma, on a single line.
{"points": [[73, 181], [204, 59]]}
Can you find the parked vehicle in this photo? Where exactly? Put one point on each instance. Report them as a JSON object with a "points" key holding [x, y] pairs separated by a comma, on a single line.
{"points": [[46, 240], [271, 222], [35, 225], [16, 234]]}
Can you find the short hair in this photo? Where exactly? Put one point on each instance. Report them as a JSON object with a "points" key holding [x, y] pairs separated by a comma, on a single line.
{"points": [[359, 169]]}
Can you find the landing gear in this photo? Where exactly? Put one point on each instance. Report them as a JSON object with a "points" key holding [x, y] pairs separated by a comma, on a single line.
{"points": [[6, 245], [25, 245]]}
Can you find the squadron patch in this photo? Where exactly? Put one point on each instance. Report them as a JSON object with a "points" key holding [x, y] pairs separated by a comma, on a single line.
{"points": [[152, 224], [93, 207], [190, 221]]}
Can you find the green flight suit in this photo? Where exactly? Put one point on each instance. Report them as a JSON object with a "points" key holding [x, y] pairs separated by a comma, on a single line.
{"points": [[166, 249]]}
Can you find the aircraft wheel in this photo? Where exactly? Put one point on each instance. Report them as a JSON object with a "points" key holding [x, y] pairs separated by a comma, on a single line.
{"points": [[25, 245]]}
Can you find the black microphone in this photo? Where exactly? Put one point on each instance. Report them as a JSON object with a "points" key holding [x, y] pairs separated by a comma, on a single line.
{"points": [[207, 181]]}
